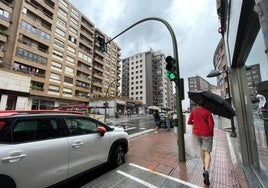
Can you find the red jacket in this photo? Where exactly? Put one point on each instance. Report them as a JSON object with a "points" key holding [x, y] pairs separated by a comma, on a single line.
{"points": [[202, 121]]}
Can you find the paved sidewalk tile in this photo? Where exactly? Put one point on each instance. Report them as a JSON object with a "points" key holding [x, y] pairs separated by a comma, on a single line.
{"points": [[159, 152]]}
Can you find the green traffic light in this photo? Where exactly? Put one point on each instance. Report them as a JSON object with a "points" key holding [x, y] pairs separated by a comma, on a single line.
{"points": [[171, 75]]}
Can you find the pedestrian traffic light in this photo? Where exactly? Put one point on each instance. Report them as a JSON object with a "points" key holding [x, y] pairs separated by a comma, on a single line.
{"points": [[171, 68], [102, 43]]}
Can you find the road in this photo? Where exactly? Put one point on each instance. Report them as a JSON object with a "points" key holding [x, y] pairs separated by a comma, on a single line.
{"points": [[129, 174], [135, 126]]}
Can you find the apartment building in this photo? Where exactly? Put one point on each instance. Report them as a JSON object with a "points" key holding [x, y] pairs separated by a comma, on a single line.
{"points": [[197, 83], [143, 79], [253, 73], [55, 45]]}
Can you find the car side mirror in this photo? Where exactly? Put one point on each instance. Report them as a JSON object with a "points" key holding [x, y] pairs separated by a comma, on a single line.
{"points": [[101, 130]]}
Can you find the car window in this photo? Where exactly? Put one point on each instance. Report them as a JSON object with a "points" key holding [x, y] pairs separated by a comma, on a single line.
{"points": [[80, 126], [35, 129]]}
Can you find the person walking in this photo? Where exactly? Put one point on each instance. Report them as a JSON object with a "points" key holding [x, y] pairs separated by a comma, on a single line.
{"points": [[168, 120], [203, 130], [157, 121]]}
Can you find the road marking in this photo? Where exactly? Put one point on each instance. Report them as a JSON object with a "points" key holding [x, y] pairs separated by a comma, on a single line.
{"points": [[130, 128], [140, 133], [136, 179], [165, 176]]}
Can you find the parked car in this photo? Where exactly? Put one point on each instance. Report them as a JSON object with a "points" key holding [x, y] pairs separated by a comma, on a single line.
{"points": [[42, 149]]}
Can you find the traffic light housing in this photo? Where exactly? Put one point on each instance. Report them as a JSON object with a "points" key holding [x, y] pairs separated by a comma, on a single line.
{"points": [[171, 68], [102, 43]]}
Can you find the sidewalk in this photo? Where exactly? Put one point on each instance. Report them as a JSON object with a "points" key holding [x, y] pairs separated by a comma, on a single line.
{"points": [[159, 153]]}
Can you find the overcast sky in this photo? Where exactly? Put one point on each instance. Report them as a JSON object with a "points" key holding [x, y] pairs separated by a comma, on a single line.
{"points": [[194, 22]]}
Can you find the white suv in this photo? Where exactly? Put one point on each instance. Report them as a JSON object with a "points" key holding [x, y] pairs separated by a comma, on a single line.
{"points": [[43, 149]]}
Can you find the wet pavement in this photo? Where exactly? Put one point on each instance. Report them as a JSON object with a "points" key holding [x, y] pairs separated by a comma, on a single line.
{"points": [[159, 154], [152, 161]]}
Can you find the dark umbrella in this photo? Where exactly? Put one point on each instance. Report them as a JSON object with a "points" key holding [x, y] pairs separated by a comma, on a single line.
{"points": [[214, 103]]}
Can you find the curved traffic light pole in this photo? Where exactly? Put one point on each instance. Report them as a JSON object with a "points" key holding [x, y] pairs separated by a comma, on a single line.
{"points": [[179, 83]]}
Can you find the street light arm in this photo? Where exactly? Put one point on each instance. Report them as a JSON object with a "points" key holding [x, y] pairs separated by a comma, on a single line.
{"points": [[173, 37], [179, 82]]}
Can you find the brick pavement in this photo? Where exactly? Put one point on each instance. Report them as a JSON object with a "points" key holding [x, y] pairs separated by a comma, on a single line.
{"points": [[159, 152]]}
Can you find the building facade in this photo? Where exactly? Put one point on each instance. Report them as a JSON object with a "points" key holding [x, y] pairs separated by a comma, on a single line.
{"points": [[56, 46], [143, 79], [197, 83]]}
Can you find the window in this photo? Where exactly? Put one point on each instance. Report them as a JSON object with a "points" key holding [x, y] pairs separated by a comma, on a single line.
{"points": [[56, 65], [53, 88], [68, 80], [67, 91], [71, 49], [73, 21], [72, 39], [59, 43], [80, 126], [36, 129], [54, 76], [74, 31], [75, 13], [70, 59], [61, 22], [60, 32], [35, 31], [57, 54], [62, 13], [69, 70], [63, 3], [4, 13]]}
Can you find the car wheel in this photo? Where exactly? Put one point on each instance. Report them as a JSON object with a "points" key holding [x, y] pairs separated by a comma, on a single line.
{"points": [[6, 182], [118, 156]]}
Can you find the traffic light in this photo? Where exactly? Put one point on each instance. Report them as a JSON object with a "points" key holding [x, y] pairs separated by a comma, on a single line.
{"points": [[171, 68], [102, 43]]}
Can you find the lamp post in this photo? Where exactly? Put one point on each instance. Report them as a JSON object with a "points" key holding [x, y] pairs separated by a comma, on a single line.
{"points": [[179, 82], [215, 73], [106, 95]]}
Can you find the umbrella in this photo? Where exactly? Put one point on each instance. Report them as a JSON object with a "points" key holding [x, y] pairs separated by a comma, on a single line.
{"points": [[154, 108], [214, 103]]}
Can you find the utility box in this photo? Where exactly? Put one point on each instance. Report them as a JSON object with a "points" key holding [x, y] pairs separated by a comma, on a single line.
{"points": [[262, 89]]}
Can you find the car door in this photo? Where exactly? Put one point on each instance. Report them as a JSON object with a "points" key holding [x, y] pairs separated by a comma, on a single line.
{"points": [[35, 158], [87, 147]]}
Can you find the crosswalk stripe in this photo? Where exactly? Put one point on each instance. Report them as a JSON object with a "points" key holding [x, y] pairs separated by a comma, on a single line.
{"points": [[136, 179]]}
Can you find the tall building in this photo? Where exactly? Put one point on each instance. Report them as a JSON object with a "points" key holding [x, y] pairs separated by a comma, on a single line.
{"points": [[254, 78], [220, 64], [197, 83], [253, 73], [143, 79], [56, 47]]}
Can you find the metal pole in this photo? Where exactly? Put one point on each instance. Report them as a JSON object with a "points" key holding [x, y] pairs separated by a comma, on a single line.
{"points": [[179, 84], [106, 94], [233, 134]]}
